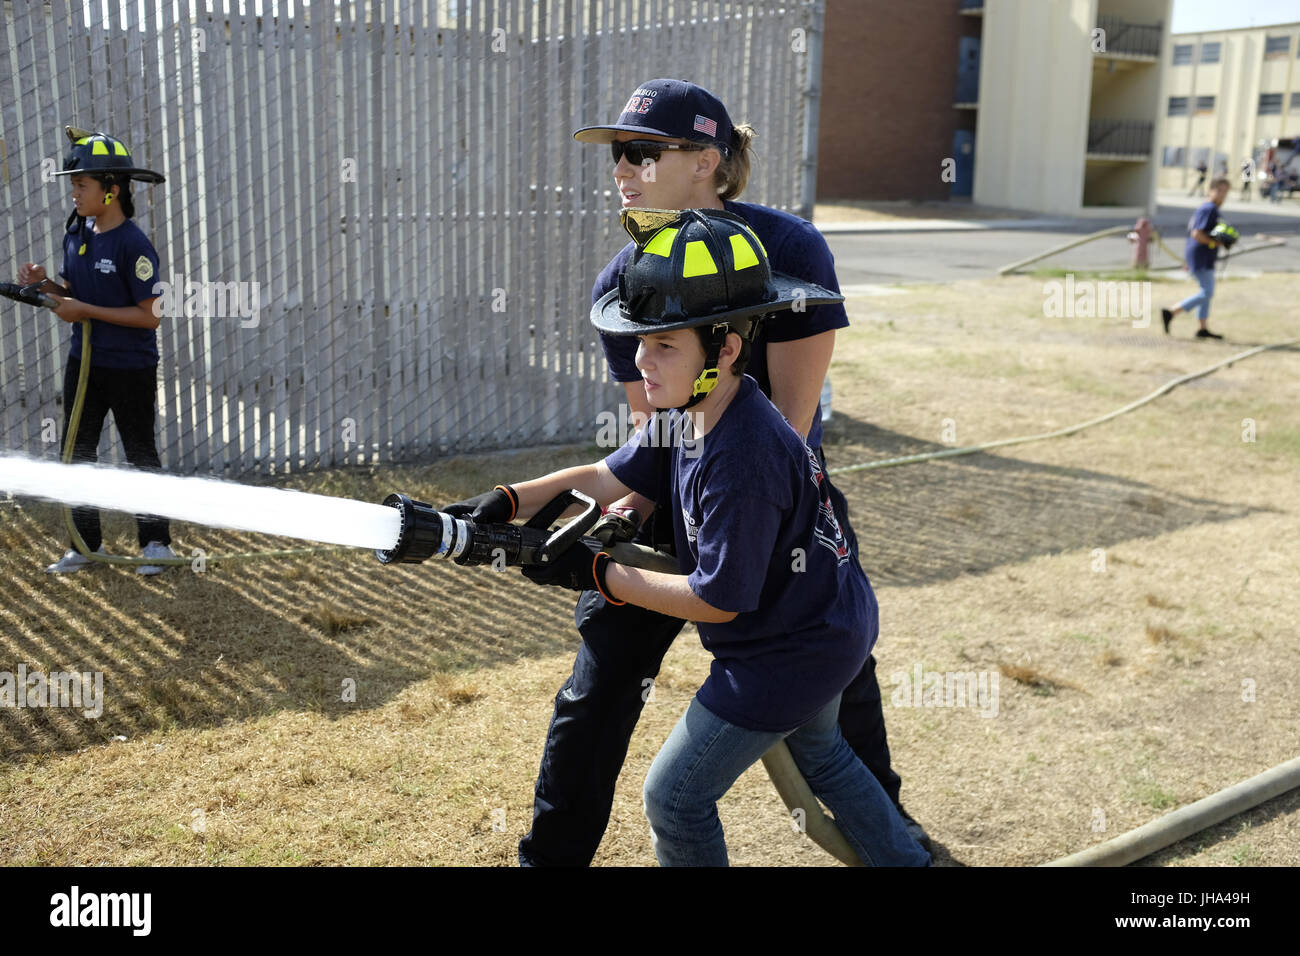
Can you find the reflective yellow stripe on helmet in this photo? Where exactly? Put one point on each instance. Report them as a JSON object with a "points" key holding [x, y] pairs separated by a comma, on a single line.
{"points": [[99, 148], [698, 260], [120, 149], [742, 252], [662, 243]]}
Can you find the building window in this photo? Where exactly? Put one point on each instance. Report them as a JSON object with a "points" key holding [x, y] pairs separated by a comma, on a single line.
{"points": [[1183, 54], [1276, 48], [1172, 156], [1295, 102], [1201, 155], [1178, 106], [1270, 104], [1210, 52], [1204, 104]]}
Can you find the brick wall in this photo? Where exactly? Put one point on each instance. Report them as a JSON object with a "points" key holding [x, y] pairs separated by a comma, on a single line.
{"points": [[889, 73]]}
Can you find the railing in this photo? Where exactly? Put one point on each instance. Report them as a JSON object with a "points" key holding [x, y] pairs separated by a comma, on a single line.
{"points": [[1138, 39], [1120, 137]]}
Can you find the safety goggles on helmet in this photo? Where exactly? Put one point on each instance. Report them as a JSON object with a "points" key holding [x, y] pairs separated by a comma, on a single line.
{"points": [[638, 151]]}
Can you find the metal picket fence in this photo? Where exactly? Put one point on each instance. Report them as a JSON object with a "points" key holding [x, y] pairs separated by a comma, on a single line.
{"points": [[394, 186]]}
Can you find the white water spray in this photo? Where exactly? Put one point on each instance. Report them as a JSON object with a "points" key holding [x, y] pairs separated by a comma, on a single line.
{"points": [[219, 504]]}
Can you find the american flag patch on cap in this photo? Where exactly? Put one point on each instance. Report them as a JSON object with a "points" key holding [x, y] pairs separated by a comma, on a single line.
{"points": [[705, 125]]}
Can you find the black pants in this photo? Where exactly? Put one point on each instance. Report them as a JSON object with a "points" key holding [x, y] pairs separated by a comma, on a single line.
{"points": [[597, 709], [130, 395]]}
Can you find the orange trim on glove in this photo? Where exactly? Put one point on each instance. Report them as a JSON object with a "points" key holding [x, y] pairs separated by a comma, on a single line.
{"points": [[514, 500]]}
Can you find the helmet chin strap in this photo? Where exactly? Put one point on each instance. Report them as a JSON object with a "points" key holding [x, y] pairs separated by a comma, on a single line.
{"points": [[707, 380]]}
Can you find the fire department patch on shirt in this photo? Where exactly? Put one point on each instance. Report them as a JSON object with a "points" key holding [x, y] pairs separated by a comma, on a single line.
{"points": [[143, 269]]}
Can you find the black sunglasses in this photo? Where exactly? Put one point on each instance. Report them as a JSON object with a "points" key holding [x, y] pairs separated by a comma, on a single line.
{"points": [[638, 151]]}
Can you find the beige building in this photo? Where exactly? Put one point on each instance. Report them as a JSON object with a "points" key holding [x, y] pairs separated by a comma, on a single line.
{"points": [[1069, 98], [1229, 94]]}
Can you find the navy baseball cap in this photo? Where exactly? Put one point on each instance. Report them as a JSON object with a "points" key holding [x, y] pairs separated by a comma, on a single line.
{"points": [[672, 108]]}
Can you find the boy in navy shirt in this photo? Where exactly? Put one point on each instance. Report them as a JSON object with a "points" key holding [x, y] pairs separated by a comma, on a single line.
{"points": [[1201, 252], [779, 596]]}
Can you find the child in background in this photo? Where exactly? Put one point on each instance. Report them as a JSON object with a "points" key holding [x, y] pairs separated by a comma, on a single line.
{"points": [[109, 266]]}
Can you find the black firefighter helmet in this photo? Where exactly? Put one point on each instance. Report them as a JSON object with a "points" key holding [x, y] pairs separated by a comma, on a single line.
{"points": [[98, 154], [696, 267]]}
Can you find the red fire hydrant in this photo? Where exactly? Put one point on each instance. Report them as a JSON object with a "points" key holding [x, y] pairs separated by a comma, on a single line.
{"points": [[1140, 236]]}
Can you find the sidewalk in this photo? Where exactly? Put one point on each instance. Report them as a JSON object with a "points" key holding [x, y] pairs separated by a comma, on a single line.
{"points": [[1288, 210], [1171, 211], [946, 225]]}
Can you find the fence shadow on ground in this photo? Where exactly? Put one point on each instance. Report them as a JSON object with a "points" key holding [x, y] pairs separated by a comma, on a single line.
{"points": [[925, 523]]}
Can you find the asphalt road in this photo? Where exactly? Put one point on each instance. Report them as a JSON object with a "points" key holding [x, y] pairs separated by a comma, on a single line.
{"points": [[902, 257]]}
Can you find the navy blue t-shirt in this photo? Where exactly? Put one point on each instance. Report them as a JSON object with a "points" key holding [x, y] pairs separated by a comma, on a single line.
{"points": [[112, 269], [756, 534], [1199, 256], [795, 247]]}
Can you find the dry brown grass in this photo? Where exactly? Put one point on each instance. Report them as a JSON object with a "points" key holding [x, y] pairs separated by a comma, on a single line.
{"points": [[241, 749], [1036, 680]]}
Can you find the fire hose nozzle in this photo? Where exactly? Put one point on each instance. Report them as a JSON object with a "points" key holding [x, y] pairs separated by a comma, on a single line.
{"points": [[425, 531]]}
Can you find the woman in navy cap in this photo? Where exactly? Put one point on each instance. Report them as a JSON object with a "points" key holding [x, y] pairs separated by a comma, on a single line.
{"points": [[675, 147]]}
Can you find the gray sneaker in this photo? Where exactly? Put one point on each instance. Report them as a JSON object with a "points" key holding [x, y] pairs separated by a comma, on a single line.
{"points": [[155, 550], [72, 561]]}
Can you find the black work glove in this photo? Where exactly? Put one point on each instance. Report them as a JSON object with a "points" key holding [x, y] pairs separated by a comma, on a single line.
{"points": [[580, 568], [492, 507]]}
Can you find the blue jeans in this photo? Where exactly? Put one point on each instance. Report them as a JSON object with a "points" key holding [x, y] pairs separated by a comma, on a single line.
{"points": [[703, 757], [1201, 301]]}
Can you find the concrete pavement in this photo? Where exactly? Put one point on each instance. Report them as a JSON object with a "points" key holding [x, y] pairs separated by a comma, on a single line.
{"points": [[874, 254]]}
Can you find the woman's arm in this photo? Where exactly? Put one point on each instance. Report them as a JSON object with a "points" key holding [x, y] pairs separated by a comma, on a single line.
{"points": [[797, 371], [666, 593]]}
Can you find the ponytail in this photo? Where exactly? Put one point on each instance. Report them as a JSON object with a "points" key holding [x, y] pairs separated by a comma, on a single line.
{"points": [[732, 174]]}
